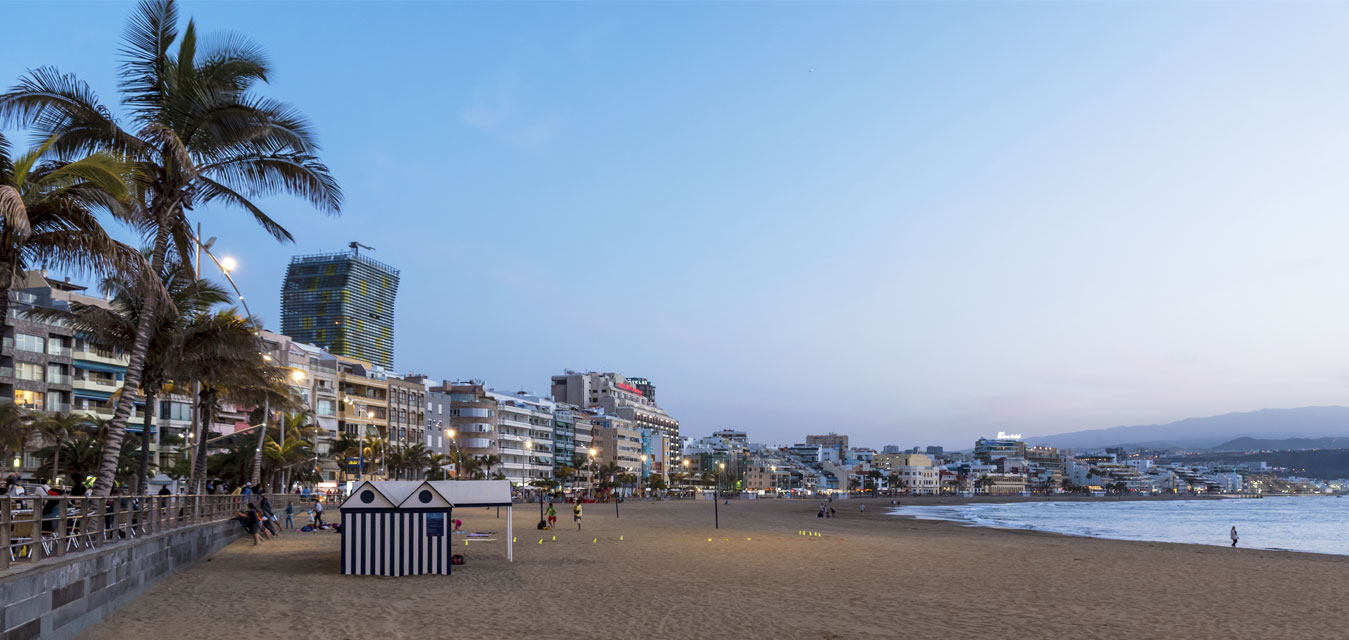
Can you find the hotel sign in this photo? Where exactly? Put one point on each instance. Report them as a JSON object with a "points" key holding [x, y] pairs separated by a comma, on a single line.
{"points": [[629, 388]]}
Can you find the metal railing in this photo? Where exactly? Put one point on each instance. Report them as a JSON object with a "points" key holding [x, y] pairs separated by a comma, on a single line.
{"points": [[34, 528]]}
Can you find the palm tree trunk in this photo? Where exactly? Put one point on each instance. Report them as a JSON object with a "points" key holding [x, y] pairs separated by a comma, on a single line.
{"points": [[6, 283], [56, 461], [112, 441], [143, 478], [262, 438], [207, 419]]}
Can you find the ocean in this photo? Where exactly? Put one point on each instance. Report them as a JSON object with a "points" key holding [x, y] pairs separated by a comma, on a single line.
{"points": [[1319, 524]]}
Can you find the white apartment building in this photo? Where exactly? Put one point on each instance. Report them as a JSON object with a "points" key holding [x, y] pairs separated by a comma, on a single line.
{"points": [[914, 471], [524, 436]]}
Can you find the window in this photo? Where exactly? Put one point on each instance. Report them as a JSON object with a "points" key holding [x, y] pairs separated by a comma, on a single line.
{"points": [[57, 347], [29, 399], [325, 408], [28, 371], [175, 411], [25, 342]]}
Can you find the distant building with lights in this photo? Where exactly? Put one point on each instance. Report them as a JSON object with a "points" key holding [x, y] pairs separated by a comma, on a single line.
{"points": [[343, 302]]}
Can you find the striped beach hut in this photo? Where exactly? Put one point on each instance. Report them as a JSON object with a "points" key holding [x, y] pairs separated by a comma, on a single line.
{"points": [[396, 528]]}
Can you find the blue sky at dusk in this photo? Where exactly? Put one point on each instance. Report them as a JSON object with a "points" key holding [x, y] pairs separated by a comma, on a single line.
{"points": [[916, 223]]}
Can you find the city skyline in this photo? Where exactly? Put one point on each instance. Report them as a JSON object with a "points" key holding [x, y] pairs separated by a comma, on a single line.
{"points": [[887, 220]]}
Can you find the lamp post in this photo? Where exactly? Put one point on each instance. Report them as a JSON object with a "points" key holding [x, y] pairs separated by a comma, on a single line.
{"points": [[716, 488], [686, 473], [529, 445], [454, 449], [370, 415], [641, 477], [591, 489]]}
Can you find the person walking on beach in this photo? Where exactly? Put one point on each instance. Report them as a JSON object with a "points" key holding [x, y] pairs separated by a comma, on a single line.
{"points": [[290, 513], [576, 514], [318, 514], [1234, 536], [552, 516]]}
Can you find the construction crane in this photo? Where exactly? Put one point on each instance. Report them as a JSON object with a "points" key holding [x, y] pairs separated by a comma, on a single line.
{"points": [[356, 247]]}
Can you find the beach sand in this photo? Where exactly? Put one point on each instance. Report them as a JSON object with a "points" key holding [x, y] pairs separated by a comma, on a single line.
{"points": [[866, 576]]}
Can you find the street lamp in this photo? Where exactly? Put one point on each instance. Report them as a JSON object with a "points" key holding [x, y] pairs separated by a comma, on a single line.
{"points": [[591, 490], [454, 448], [228, 264], [716, 513], [641, 476]]}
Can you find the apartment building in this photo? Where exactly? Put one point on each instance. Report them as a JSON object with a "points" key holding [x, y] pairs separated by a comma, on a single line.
{"points": [[473, 418], [914, 472], [617, 440], [406, 425], [616, 394], [524, 436]]}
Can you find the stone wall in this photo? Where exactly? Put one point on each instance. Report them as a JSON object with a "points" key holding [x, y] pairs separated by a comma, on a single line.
{"points": [[60, 598]]}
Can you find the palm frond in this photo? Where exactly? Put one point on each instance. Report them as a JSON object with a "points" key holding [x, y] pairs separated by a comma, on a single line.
{"points": [[211, 191], [145, 50], [49, 103], [13, 211]]}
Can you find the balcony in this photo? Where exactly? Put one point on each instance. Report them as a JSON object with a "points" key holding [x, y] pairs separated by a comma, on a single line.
{"points": [[57, 378], [59, 407], [97, 384], [101, 356], [54, 349]]}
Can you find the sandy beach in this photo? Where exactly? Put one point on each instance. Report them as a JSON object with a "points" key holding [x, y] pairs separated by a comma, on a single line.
{"points": [[866, 576]]}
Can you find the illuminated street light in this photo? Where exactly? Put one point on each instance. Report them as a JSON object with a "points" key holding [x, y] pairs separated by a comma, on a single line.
{"points": [[228, 264], [297, 375]]}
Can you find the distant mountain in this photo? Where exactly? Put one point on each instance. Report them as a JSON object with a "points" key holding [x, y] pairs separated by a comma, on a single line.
{"points": [[1256, 444], [1204, 433]]}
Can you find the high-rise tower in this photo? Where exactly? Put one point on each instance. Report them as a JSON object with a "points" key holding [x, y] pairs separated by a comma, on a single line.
{"points": [[342, 302]]}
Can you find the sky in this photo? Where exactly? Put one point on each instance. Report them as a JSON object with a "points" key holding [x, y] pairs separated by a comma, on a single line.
{"points": [[915, 223]]}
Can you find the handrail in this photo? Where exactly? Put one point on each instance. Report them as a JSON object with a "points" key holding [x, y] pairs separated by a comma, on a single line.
{"points": [[34, 528]]}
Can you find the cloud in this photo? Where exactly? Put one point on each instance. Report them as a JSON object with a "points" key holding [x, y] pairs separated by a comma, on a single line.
{"points": [[498, 112]]}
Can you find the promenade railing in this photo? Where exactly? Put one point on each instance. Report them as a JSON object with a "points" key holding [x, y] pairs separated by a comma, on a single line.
{"points": [[34, 528]]}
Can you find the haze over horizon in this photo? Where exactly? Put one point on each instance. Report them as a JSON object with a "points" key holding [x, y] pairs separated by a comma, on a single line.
{"points": [[914, 223]]}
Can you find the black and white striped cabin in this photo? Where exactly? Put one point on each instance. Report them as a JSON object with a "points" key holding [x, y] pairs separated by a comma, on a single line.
{"points": [[403, 528], [383, 537]]}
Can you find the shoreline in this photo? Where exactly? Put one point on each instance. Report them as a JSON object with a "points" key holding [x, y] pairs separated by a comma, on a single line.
{"points": [[953, 519]]}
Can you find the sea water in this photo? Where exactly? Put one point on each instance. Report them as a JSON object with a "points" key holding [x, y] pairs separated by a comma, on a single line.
{"points": [[1318, 524]]}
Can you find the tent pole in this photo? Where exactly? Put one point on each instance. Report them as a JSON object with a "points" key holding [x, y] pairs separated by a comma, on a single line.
{"points": [[510, 540]]}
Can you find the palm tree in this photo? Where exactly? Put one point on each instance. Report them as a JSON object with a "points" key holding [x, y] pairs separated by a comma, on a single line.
{"points": [[565, 473], [346, 446], [490, 462], [114, 326], [277, 458], [395, 461], [415, 457], [220, 351], [16, 428], [435, 466], [56, 429], [48, 213], [201, 136]]}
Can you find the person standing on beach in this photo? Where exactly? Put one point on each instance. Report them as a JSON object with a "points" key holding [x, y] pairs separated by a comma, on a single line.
{"points": [[576, 514], [290, 513], [1234, 536], [318, 513]]}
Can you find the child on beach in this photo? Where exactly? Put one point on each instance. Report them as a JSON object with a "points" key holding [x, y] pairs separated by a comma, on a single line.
{"points": [[576, 514], [552, 516]]}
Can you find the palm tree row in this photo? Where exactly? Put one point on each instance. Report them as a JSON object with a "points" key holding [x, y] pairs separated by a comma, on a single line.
{"points": [[198, 134]]}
